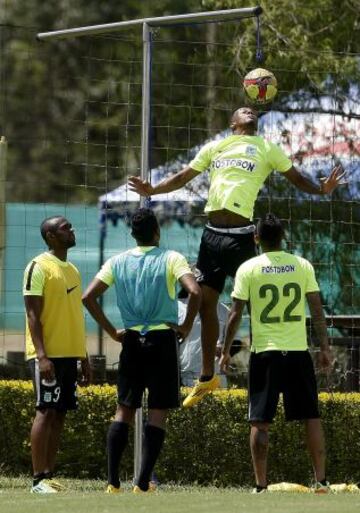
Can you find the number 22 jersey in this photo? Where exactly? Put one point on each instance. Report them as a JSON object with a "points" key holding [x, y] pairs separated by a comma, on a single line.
{"points": [[276, 284]]}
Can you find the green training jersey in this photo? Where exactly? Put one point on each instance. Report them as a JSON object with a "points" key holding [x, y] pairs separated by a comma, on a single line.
{"points": [[176, 267], [276, 284], [239, 166]]}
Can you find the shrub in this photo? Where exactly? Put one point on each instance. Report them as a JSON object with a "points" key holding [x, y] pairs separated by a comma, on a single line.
{"points": [[207, 444]]}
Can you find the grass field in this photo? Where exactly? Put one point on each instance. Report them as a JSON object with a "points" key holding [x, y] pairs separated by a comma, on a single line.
{"points": [[88, 497]]}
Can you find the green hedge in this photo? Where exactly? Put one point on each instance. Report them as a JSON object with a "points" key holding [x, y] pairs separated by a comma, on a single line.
{"points": [[205, 444]]}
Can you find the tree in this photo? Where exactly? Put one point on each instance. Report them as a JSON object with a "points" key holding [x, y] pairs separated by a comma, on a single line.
{"points": [[72, 109], [312, 47]]}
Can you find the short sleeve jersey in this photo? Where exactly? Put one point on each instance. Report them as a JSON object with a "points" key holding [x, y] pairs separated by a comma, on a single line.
{"points": [[176, 267], [239, 166], [62, 316], [276, 283]]}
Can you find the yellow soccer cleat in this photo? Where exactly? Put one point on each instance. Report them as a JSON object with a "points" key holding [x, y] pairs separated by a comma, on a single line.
{"points": [[200, 389], [152, 486], [112, 489]]}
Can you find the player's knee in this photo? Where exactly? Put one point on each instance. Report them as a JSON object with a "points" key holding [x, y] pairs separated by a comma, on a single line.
{"points": [[260, 438], [261, 442], [46, 415]]}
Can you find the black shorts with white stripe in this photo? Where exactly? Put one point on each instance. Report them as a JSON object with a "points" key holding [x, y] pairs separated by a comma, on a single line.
{"points": [[59, 394]]}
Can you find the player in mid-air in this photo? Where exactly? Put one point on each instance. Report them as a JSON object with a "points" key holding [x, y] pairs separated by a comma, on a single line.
{"points": [[278, 284], [144, 279], [239, 166]]}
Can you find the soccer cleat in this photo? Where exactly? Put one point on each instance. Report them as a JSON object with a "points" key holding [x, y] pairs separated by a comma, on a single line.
{"points": [[259, 489], [112, 489], [321, 488], [138, 490], [152, 486], [200, 389], [44, 486]]}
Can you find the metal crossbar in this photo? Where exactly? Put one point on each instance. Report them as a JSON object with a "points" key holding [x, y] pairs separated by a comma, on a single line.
{"points": [[177, 19]]}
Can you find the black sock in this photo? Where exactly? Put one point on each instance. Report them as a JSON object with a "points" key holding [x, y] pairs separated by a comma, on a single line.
{"points": [[260, 488], [37, 478], [117, 439], [153, 441], [324, 482], [48, 475], [206, 378]]}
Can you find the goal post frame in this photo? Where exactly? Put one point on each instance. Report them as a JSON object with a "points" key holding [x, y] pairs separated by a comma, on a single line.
{"points": [[147, 25]]}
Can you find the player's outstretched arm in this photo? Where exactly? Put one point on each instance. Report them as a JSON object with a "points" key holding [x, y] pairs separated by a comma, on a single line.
{"points": [[172, 183], [326, 186]]}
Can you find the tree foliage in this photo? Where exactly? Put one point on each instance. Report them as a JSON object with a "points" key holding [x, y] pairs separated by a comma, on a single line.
{"points": [[314, 46], [71, 110]]}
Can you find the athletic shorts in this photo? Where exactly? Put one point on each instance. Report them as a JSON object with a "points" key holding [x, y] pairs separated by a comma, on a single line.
{"points": [[149, 362], [221, 254], [290, 373], [59, 394]]}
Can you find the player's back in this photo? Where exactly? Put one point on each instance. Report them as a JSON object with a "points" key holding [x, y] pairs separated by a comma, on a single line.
{"points": [[277, 284]]}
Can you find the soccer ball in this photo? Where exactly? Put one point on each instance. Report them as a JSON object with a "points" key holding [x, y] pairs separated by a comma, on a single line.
{"points": [[260, 86]]}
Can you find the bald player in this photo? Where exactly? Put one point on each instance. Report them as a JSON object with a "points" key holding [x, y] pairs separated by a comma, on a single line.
{"points": [[55, 341]]}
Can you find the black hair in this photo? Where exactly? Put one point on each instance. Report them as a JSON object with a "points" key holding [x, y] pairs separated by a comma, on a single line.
{"points": [[234, 115], [48, 225], [144, 225], [270, 231]]}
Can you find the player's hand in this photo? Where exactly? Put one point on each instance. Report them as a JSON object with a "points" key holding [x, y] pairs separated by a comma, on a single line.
{"points": [[325, 360], [140, 186], [331, 182], [181, 330], [117, 335], [86, 372], [224, 362], [47, 369], [120, 334], [218, 351]]}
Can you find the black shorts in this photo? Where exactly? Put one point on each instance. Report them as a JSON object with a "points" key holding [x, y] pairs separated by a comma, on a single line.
{"points": [[149, 362], [290, 373], [59, 394], [221, 254]]}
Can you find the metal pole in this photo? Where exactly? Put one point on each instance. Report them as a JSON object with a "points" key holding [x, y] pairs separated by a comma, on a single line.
{"points": [[101, 298], [145, 149], [138, 442], [198, 17], [146, 110], [3, 163]]}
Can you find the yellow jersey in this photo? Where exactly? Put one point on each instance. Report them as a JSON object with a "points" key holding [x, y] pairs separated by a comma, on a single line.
{"points": [[62, 317], [239, 166]]}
